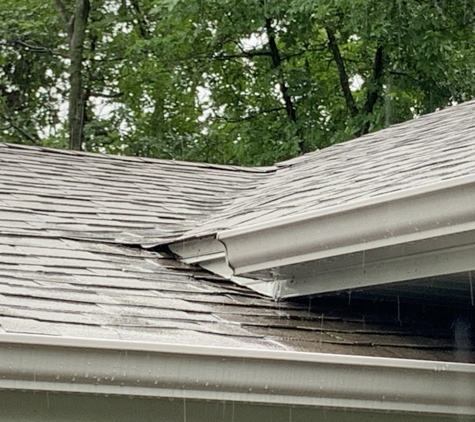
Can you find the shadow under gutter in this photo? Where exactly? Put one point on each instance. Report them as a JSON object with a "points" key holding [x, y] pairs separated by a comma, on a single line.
{"points": [[109, 367]]}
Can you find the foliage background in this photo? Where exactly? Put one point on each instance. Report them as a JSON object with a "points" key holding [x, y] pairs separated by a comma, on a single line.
{"points": [[232, 81]]}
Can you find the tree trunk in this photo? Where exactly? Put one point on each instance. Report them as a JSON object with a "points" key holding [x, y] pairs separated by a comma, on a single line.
{"points": [[375, 87], [76, 94], [343, 76], [276, 62]]}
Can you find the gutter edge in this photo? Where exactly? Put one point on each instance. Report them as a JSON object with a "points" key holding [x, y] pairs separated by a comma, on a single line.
{"points": [[117, 367]]}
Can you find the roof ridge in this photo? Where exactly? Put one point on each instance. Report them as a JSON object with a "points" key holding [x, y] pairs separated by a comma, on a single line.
{"points": [[163, 161]]}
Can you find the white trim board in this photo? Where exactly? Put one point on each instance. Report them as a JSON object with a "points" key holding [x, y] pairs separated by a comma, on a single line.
{"points": [[412, 234], [86, 366]]}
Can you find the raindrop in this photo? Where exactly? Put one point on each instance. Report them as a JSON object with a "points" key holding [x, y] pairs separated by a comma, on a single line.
{"points": [[471, 288], [399, 311]]}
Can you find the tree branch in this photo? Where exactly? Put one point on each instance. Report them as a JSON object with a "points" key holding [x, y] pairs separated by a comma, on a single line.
{"points": [[101, 95], [33, 139], [343, 76], [68, 21], [63, 13], [276, 62], [35, 48], [301, 53], [244, 54], [142, 23], [256, 53], [251, 116]]}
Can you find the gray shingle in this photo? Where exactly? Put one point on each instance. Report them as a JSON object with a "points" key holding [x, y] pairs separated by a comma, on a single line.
{"points": [[71, 223], [427, 150]]}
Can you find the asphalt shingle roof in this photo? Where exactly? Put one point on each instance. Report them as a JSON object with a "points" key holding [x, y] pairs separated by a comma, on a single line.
{"points": [[117, 199], [423, 151], [73, 226]]}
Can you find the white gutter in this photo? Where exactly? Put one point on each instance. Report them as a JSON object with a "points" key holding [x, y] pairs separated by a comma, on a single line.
{"points": [[211, 255], [411, 215], [110, 367]]}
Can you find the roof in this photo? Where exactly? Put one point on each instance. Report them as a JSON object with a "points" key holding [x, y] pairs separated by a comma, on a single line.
{"points": [[114, 199], [391, 206], [93, 302], [71, 264], [429, 149]]}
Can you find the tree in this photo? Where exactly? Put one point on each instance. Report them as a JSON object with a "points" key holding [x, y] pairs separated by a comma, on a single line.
{"points": [[31, 71], [223, 81], [75, 26]]}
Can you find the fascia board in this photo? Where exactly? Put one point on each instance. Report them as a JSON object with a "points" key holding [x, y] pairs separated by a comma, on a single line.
{"points": [[411, 215], [371, 272], [110, 367]]}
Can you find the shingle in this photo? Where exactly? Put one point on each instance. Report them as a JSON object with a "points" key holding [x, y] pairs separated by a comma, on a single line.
{"points": [[27, 326], [107, 286], [400, 157]]}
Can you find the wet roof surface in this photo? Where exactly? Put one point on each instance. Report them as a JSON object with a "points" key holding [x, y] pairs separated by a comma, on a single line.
{"points": [[71, 264], [64, 287], [118, 199], [433, 148]]}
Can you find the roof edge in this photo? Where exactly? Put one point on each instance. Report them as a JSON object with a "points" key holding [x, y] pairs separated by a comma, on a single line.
{"points": [[115, 367], [151, 160], [414, 214]]}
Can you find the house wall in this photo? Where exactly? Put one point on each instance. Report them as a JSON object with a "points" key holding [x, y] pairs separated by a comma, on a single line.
{"points": [[17, 406]]}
